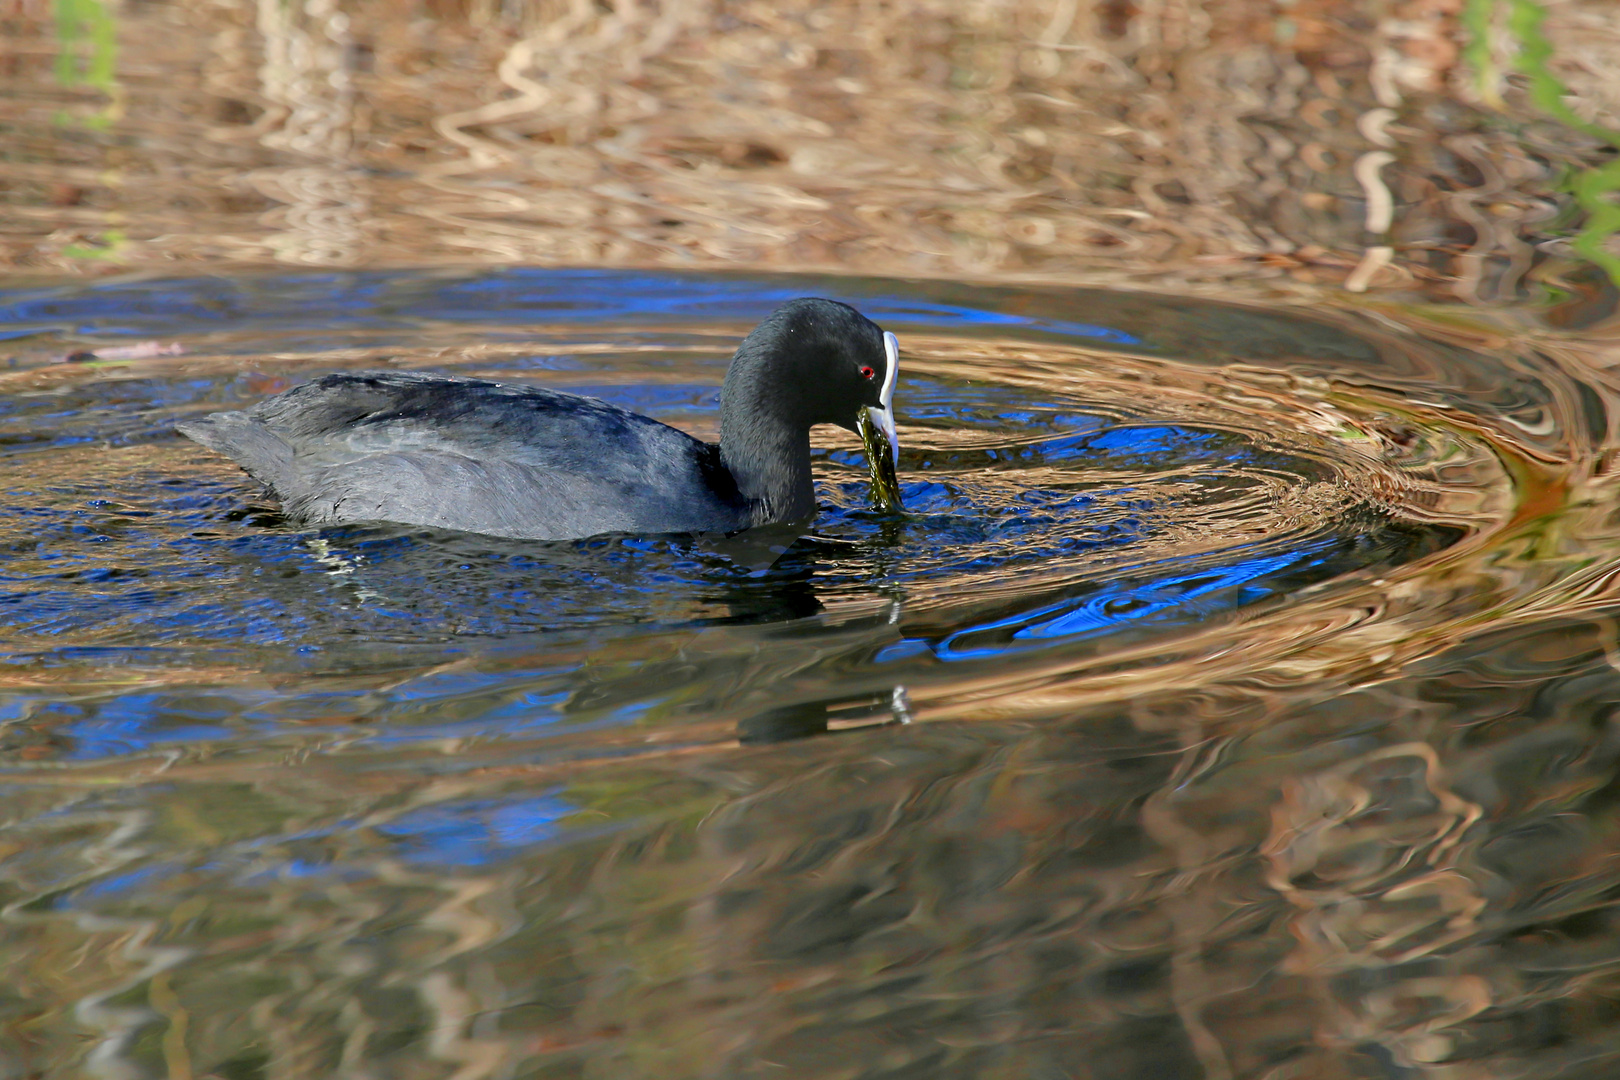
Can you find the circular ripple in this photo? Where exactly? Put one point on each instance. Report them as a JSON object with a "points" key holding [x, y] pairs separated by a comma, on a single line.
{"points": [[1072, 488], [1052, 491]]}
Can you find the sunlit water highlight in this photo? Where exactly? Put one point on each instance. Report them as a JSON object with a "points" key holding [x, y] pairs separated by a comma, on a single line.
{"points": [[1213, 585]]}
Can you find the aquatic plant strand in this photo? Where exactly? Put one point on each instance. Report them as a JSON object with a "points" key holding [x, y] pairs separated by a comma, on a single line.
{"points": [[1592, 187]]}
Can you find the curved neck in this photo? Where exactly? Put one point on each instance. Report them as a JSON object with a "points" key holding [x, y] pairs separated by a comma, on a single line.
{"points": [[767, 452]]}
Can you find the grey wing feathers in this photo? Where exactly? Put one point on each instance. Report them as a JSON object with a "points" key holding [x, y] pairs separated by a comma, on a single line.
{"points": [[468, 454], [265, 455]]}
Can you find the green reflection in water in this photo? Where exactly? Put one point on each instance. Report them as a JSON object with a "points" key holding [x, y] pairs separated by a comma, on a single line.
{"points": [[88, 56], [89, 53], [1533, 52], [111, 246]]}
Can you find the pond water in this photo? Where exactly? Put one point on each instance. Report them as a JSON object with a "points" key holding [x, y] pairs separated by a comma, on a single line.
{"points": [[1235, 697]]}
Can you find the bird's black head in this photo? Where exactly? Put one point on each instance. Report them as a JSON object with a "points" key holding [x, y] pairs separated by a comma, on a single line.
{"points": [[821, 361], [810, 362]]}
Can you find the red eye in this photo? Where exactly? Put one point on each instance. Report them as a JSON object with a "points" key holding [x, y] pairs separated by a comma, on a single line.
{"points": [[868, 373]]}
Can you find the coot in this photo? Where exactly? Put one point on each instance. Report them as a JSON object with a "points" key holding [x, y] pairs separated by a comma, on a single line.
{"points": [[527, 462]]}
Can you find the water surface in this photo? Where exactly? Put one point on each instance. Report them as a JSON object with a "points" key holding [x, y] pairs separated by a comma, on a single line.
{"points": [[1231, 700]]}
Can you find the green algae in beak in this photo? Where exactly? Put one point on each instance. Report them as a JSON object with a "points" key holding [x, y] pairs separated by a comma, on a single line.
{"points": [[880, 454], [876, 427]]}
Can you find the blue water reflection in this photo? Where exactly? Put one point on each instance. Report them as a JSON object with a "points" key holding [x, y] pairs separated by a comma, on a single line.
{"points": [[1037, 519], [477, 831], [384, 301], [1182, 589]]}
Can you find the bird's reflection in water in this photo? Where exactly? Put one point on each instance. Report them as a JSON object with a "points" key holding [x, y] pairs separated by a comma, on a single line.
{"points": [[515, 595], [784, 590], [804, 719], [435, 581], [785, 723], [777, 585]]}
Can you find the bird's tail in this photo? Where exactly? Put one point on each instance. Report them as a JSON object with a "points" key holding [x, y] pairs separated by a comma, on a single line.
{"points": [[261, 452]]}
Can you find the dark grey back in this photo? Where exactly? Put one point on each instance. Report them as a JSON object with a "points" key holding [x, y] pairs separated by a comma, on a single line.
{"points": [[474, 455]]}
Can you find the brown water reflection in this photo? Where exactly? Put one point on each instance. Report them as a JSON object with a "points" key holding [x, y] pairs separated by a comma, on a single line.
{"points": [[1356, 830], [1317, 141], [1201, 884], [1363, 826]]}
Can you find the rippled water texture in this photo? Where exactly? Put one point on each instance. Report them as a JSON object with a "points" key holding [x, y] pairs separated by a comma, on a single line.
{"points": [[1233, 699]]}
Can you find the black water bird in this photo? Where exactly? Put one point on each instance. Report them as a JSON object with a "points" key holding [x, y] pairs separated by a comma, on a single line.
{"points": [[532, 463]]}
